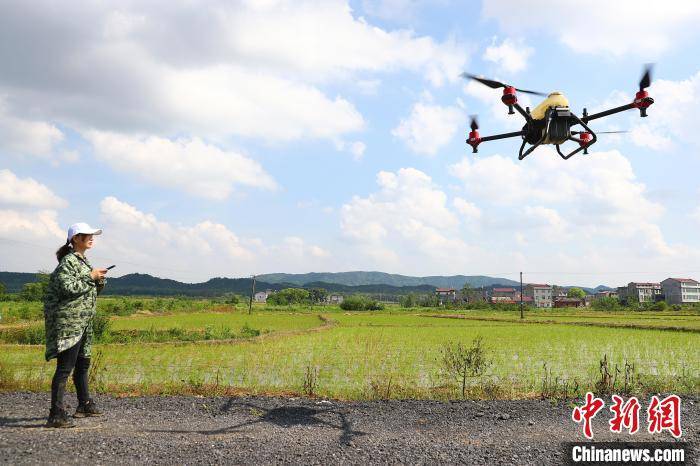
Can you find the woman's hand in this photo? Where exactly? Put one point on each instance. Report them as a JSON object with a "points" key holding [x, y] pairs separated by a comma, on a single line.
{"points": [[98, 274]]}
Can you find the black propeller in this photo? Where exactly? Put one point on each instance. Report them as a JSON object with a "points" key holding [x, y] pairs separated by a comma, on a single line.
{"points": [[495, 84], [474, 124], [646, 77]]}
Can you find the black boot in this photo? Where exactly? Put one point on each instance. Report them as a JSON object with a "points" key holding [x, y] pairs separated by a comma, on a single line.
{"points": [[59, 418], [87, 409]]}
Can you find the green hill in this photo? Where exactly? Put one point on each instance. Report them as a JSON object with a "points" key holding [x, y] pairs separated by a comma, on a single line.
{"points": [[381, 278]]}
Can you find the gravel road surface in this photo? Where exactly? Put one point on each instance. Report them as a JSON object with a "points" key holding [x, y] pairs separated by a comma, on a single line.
{"points": [[252, 430]]}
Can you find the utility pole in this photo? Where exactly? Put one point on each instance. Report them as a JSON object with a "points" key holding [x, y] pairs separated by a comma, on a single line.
{"points": [[521, 296], [252, 293]]}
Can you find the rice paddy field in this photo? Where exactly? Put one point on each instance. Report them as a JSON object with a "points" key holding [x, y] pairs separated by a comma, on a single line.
{"points": [[396, 353]]}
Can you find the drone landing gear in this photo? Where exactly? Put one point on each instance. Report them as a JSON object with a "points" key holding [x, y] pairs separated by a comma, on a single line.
{"points": [[584, 142], [522, 155]]}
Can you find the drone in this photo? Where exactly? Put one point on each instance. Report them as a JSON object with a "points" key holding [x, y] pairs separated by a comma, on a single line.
{"points": [[552, 120]]}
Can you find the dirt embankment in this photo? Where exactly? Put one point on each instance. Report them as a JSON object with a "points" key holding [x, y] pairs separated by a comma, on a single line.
{"points": [[191, 430]]}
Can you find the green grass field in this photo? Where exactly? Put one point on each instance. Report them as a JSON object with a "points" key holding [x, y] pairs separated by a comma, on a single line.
{"points": [[395, 353]]}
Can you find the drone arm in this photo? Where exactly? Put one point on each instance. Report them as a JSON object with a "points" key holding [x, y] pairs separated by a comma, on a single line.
{"points": [[522, 112], [605, 113], [502, 136], [641, 101], [475, 141]]}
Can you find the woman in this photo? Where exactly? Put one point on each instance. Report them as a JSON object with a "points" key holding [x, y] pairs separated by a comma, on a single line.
{"points": [[69, 308]]}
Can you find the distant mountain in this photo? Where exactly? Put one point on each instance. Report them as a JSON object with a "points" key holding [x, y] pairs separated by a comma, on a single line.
{"points": [[600, 288], [343, 282], [14, 281], [137, 284], [381, 278]]}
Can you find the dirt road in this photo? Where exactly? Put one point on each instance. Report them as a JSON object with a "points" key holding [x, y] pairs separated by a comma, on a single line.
{"points": [[191, 430]]}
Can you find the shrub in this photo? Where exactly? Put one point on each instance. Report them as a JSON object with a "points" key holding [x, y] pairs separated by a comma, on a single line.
{"points": [[100, 326], [414, 300], [360, 303], [289, 296], [32, 335], [35, 291], [576, 293], [606, 303], [408, 300], [659, 306], [460, 362], [248, 331]]}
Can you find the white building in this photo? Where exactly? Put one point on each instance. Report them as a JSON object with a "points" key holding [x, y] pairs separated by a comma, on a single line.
{"points": [[681, 290], [542, 295], [261, 296], [641, 292], [334, 299]]}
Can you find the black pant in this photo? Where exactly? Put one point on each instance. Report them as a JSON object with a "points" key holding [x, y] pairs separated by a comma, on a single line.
{"points": [[67, 361]]}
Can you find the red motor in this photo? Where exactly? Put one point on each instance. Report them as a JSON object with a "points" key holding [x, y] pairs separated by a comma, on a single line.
{"points": [[642, 101], [474, 140], [509, 98], [585, 138]]}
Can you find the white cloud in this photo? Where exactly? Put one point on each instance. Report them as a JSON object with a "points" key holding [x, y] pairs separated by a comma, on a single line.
{"points": [[147, 244], [356, 148], [696, 214], [28, 239], [429, 127], [28, 226], [230, 100], [27, 192], [28, 218], [406, 222], [547, 221], [20, 136], [610, 28], [297, 247], [467, 209], [511, 56], [189, 165], [594, 195], [369, 86], [671, 119], [392, 10], [253, 69]]}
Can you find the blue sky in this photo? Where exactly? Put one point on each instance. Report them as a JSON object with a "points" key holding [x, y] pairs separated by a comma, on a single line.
{"points": [[234, 138]]}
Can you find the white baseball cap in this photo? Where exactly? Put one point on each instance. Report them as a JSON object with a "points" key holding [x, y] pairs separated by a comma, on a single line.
{"points": [[82, 228]]}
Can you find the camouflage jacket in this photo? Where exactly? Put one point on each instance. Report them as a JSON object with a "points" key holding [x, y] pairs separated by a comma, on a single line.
{"points": [[69, 305]]}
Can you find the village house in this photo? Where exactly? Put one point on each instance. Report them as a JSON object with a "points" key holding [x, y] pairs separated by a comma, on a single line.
{"points": [[446, 294], [606, 294], [639, 291], [681, 290], [334, 299], [509, 293], [261, 296], [541, 294], [562, 301]]}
